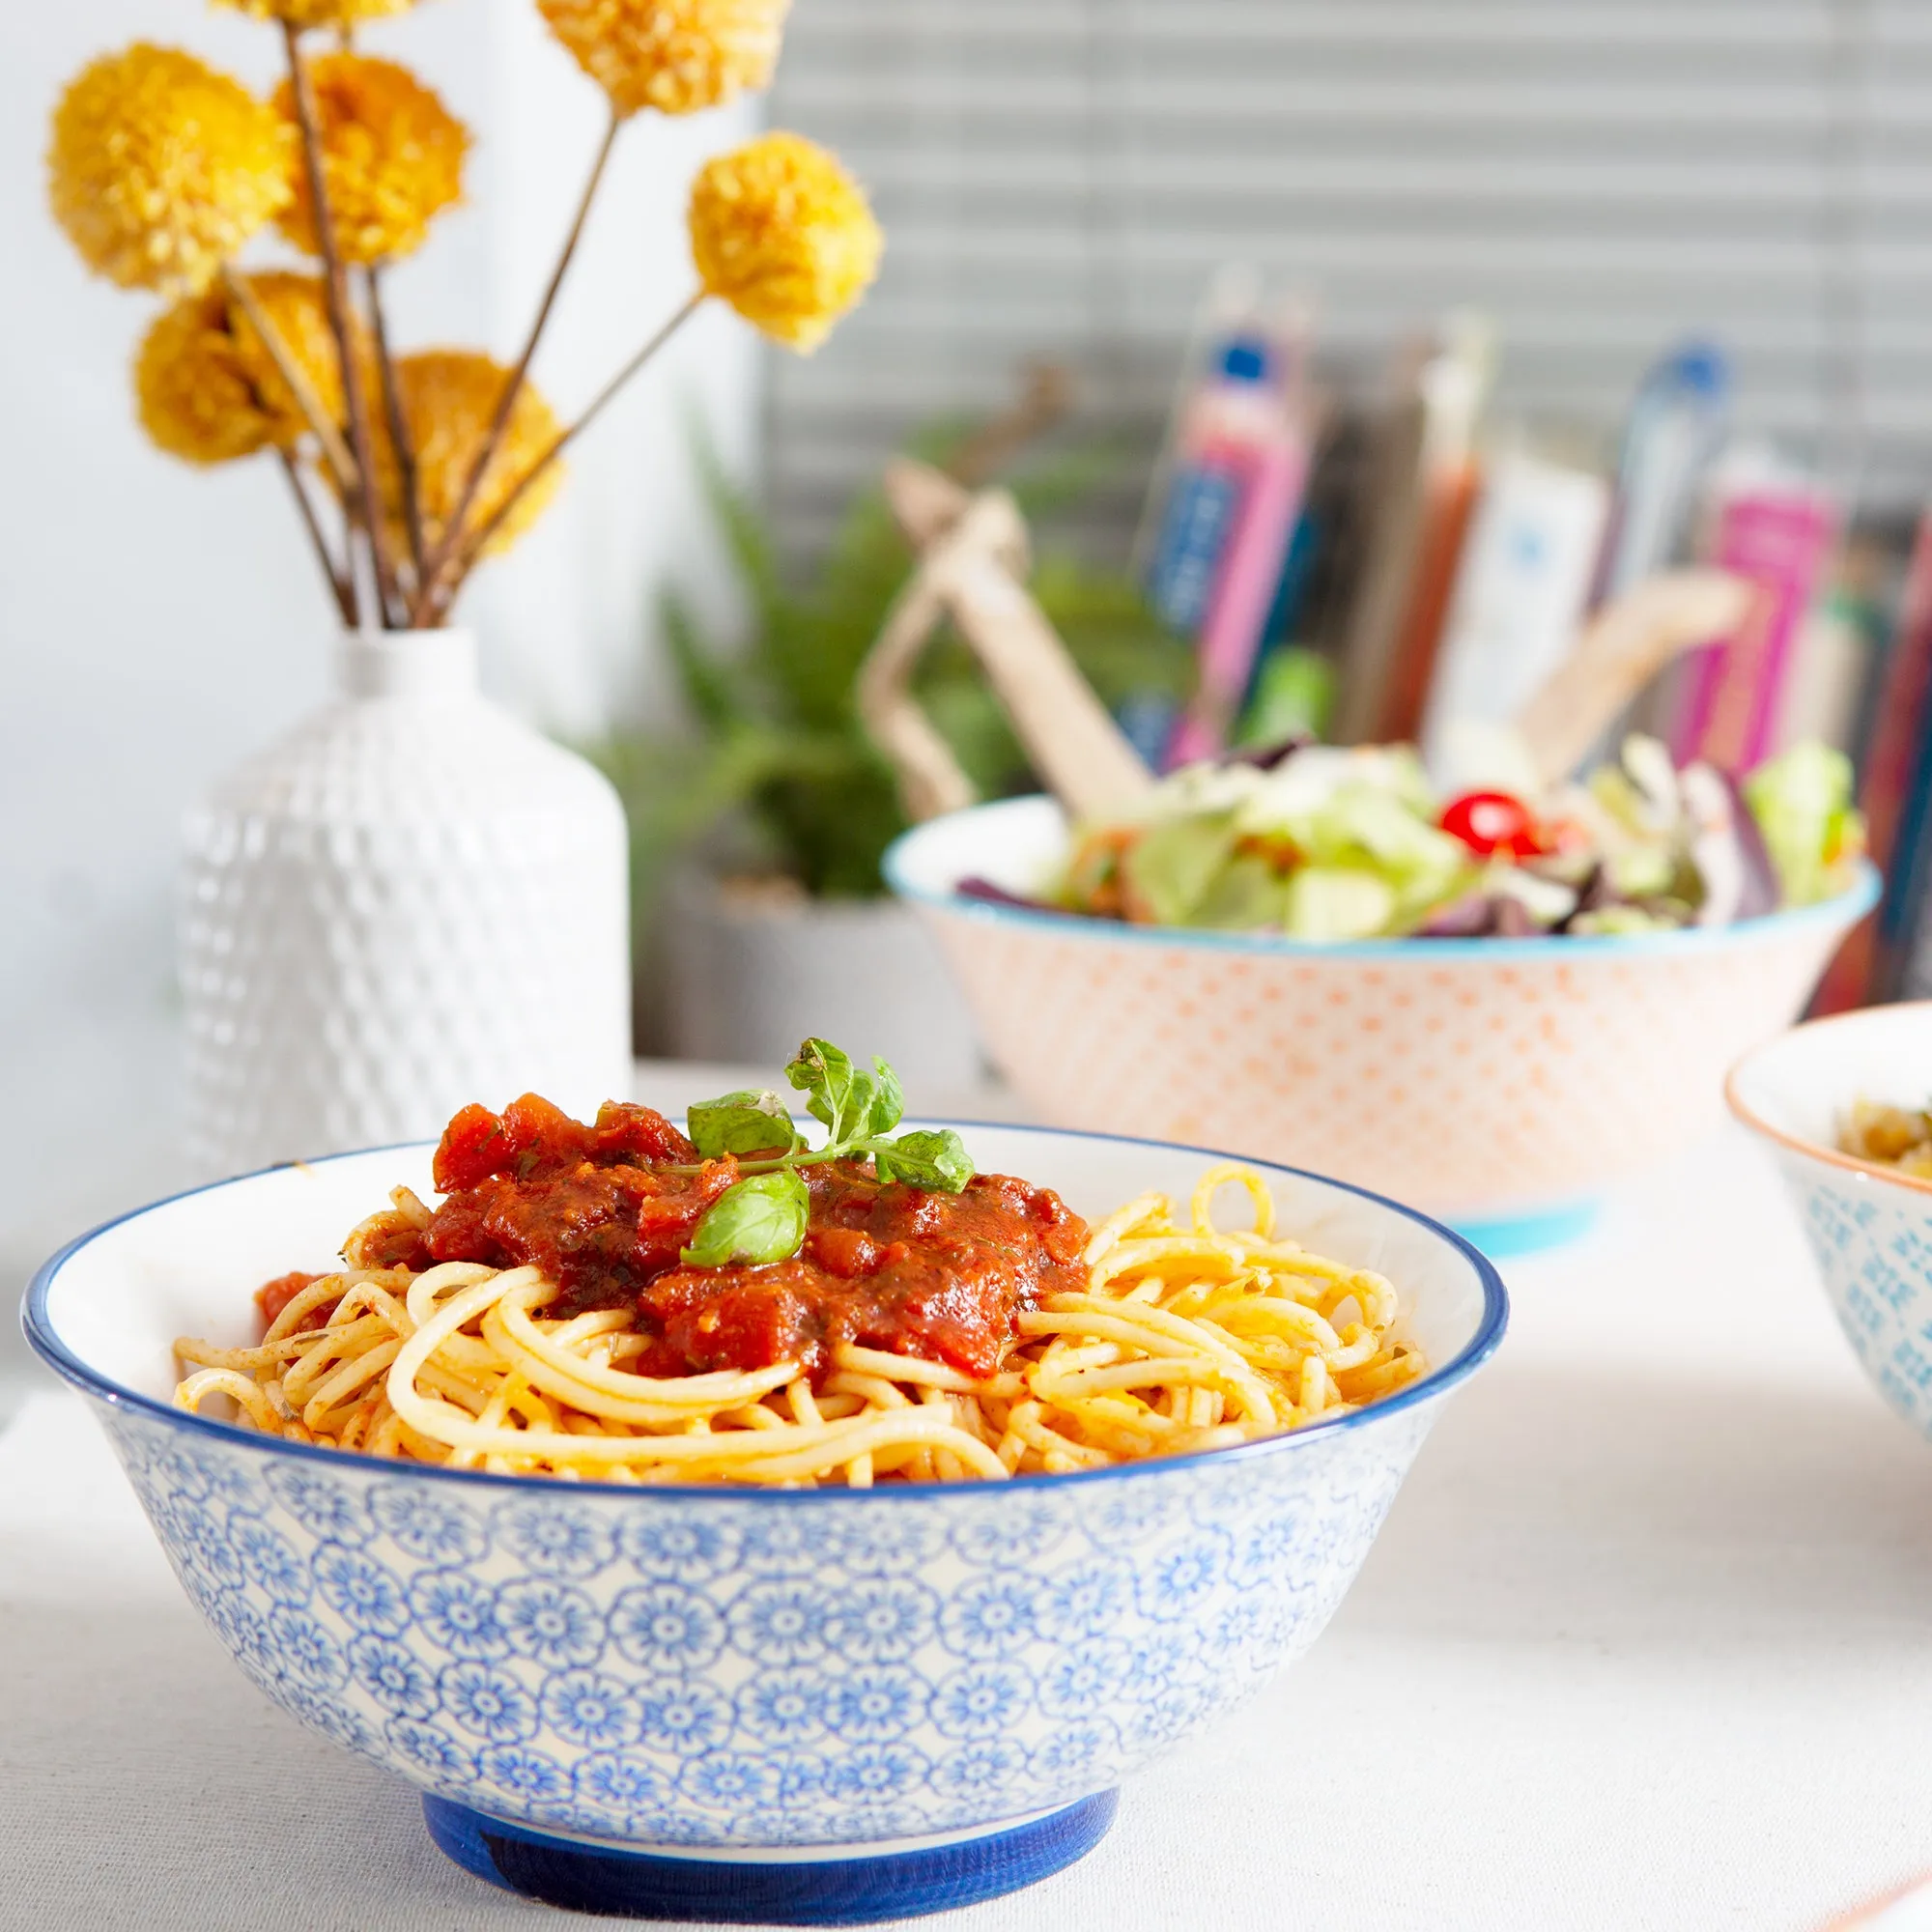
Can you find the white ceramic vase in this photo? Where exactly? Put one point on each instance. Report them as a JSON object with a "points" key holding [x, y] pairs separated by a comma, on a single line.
{"points": [[411, 902]]}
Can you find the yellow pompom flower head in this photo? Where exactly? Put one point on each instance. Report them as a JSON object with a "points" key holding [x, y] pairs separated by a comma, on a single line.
{"points": [[391, 157], [449, 398], [785, 235], [676, 56], [319, 13], [208, 389], [160, 168]]}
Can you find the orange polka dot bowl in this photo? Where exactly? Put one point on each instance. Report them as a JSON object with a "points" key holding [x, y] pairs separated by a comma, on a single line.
{"points": [[1501, 1084]]}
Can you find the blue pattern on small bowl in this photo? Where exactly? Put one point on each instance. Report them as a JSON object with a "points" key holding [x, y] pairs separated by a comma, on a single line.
{"points": [[665, 1668], [1869, 1228], [1875, 1255]]}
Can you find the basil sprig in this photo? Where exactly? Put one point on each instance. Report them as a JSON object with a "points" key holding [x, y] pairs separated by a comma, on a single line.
{"points": [[762, 1218]]}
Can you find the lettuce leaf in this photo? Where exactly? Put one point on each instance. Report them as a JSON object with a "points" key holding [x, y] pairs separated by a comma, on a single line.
{"points": [[1802, 801]]}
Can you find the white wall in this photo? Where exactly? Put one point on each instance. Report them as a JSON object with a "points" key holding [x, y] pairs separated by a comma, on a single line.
{"points": [[157, 623]]}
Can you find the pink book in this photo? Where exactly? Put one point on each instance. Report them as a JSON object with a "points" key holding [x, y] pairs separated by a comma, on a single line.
{"points": [[1779, 538], [1275, 473]]}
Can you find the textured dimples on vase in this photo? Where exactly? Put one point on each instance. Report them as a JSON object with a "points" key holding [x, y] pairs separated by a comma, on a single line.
{"points": [[412, 903], [1475, 1079], [673, 1672]]}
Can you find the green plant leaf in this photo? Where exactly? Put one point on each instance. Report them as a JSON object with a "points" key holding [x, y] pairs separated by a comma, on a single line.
{"points": [[744, 1123], [758, 1221], [837, 1092], [934, 1158], [710, 684], [888, 1105]]}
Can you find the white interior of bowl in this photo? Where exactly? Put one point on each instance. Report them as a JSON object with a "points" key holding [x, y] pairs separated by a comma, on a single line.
{"points": [[1019, 843], [188, 1266], [1803, 1082]]}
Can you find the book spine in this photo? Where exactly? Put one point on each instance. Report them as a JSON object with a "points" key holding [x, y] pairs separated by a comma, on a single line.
{"points": [[1732, 689], [1251, 567], [1448, 504], [1524, 579], [1202, 505], [1869, 964]]}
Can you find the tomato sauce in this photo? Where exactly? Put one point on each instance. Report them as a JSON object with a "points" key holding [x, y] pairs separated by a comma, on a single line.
{"points": [[273, 1297], [603, 1209]]}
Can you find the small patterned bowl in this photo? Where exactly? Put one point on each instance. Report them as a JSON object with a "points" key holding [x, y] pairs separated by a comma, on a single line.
{"points": [[1869, 1226], [805, 1706], [1497, 1082]]}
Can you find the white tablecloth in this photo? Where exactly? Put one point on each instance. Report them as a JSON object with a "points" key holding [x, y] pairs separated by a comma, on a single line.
{"points": [[1647, 1641]]}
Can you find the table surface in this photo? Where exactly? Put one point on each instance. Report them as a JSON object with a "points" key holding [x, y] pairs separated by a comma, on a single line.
{"points": [[1647, 1641]]}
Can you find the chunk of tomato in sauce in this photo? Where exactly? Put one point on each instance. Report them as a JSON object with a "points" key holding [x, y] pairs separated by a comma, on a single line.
{"points": [[604, 1209], [601, 1209], [274, 1296]]}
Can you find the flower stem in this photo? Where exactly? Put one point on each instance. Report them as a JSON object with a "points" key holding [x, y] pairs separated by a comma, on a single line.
{"points": [[399, 429], [335, 284], [314, 414], [450, 538], [456, 568], [344, 591]]}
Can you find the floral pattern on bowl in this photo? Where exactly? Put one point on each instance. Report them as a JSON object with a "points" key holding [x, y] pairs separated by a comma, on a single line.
{"points": [[1869, 1227], [656, 1668], [1489, 1080], [707, 1670]]}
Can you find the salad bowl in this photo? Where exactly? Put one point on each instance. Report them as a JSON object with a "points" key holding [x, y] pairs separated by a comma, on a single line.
{"points": [[1869, 1226], [807, 1706], [1498, 1082]]}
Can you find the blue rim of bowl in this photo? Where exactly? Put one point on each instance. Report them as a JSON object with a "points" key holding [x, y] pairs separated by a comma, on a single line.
{"points": [[1846, 908], [1481, 1345]]}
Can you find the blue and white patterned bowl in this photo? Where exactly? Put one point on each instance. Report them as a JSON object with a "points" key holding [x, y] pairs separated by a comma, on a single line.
{"points": [[1870, 1227], [816, 1706]]}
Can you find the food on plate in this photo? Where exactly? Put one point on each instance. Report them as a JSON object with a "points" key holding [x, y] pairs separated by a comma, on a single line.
{"points": [[1321, 842], [630, 1303], [1899, 1137]]}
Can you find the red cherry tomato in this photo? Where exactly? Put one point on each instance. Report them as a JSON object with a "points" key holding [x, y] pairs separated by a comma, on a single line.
{"points": [[1493, 821]]}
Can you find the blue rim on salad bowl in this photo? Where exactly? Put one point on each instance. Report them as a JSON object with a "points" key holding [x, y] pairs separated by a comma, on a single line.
{"points": [[1498, 1082], [803, 1706]]}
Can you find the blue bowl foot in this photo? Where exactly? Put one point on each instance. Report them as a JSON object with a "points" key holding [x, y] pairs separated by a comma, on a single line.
{"points": [[838, 1889], [1504, 1234]]}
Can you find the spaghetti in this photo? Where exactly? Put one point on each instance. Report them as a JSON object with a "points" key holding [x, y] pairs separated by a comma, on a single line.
{"points": [[1184, 1336]]}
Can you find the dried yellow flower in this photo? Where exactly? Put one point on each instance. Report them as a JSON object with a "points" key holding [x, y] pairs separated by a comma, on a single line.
{"points": [[391, 157], [785, 235], [160, 168], [205, 387], [447, 398], [319, 13], [675, 56]]}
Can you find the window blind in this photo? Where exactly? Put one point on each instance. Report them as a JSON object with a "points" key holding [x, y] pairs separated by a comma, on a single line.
{"points": [[1060, 178]]}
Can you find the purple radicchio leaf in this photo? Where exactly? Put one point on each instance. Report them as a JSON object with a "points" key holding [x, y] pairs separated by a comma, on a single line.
{"points": [[1480, 916], [1761, 893], [1593, 894], [974, 887], [1265, 757]]}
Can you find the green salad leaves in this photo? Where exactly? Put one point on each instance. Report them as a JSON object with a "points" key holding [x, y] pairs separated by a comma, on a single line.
{"points": [[762, 1218]]}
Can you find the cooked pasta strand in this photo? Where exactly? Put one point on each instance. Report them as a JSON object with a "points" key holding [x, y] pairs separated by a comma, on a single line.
{"points": [[1189, 1337]]}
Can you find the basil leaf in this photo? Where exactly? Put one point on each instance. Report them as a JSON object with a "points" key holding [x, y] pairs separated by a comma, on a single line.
{"points": [[887, 1104], [758, 1221], [745, 1123], [838, 1093], [934, 1159]]}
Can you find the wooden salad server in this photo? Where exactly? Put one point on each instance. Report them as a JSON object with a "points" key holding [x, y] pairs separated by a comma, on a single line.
{"points": [[973, 566], [1620, 649]]}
